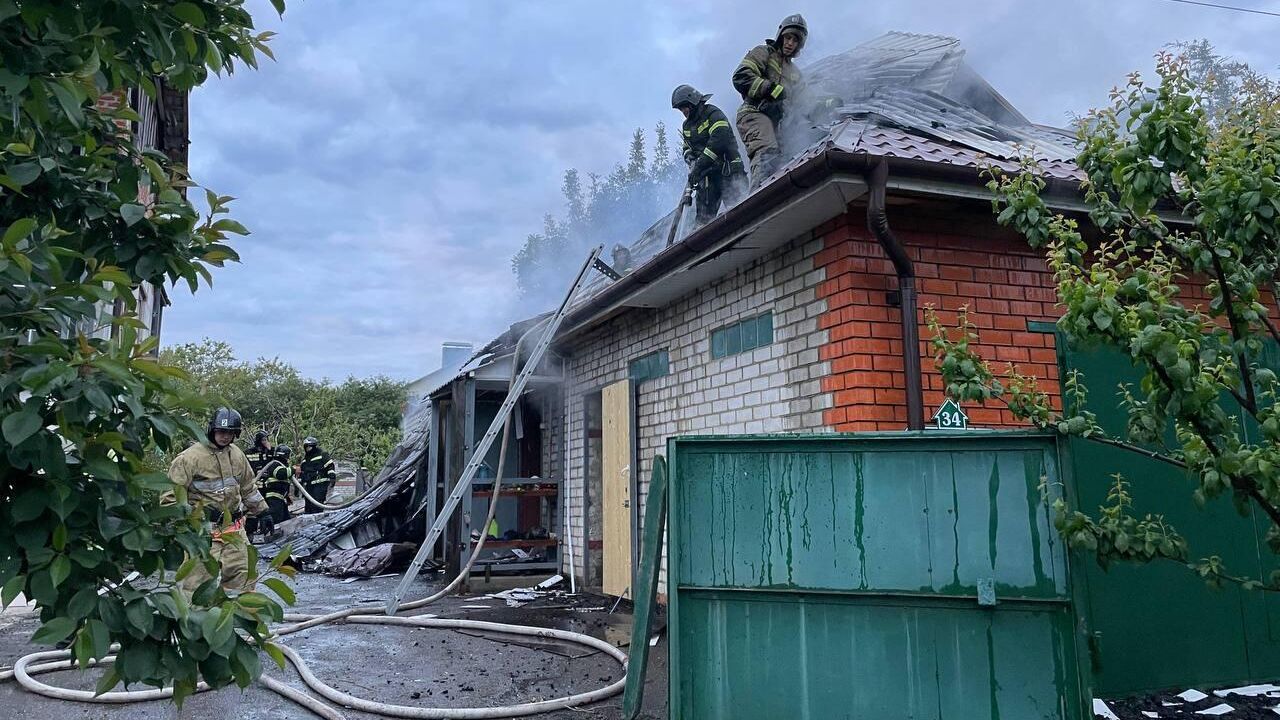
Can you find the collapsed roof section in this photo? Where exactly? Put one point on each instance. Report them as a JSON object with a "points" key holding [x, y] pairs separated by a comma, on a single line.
{"points": [[381, 511]]}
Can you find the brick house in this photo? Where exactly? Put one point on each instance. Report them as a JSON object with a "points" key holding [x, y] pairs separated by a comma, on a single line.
{"points": [[163, 126], [782, 315], [785, 313]]}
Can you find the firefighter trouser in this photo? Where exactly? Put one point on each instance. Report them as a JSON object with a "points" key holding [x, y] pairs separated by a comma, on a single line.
{"points": [[279, 509], [318, 489], [760, 135], [718, 188], [231, 550]]}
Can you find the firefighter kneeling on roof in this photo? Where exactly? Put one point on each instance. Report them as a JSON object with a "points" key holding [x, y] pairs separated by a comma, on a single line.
{"points": [[220, 484]]}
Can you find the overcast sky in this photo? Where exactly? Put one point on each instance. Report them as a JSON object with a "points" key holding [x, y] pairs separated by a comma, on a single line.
{"points": [[398, 153]]}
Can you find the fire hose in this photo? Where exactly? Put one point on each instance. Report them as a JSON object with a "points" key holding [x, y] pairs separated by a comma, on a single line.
{"points": [[54, 660]]}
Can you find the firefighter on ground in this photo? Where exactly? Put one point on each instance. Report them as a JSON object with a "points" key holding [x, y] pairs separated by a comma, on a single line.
{"points": [[274, 484], [318, 473], [220, 485], [769, 82], [260, 452], [716, 172]]}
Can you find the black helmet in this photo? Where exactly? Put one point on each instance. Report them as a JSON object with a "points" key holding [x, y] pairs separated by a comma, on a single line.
{"points": [[686, 95], [283, 452], [258, 437], [310, 441], [224, 418], [796, 24]]}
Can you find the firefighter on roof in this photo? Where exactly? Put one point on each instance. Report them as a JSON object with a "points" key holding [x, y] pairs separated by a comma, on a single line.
{"points": [[716, 172], [769, 81]]}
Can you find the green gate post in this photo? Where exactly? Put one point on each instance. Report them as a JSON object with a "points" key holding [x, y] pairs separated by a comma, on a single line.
{"points": [[655, 516]]}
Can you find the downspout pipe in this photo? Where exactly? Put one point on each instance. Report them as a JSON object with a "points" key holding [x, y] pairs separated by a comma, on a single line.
{"points": [[878, 224]]}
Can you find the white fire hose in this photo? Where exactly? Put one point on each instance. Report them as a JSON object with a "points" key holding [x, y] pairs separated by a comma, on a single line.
{"points": [[37, 663]]}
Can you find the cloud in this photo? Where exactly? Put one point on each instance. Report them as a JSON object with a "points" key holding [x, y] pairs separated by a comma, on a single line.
{"points": [[398, 153]]}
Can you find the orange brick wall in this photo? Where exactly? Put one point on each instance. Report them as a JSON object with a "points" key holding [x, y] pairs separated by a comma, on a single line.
{"points": [[962, 258]]}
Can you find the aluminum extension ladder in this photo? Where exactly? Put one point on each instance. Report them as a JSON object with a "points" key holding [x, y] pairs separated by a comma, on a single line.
{"points": [[463, 487]]}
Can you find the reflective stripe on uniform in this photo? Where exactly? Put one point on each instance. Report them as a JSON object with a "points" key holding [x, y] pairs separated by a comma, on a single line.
{"points": [[710, 153], [703, 127], [752, 65], [777, 91], [719, 124], [211, 486], [775, 66], [277, 495], [755, 87]]}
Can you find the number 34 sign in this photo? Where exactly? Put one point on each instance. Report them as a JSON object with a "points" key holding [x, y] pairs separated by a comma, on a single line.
{"points": [[950, 417]]}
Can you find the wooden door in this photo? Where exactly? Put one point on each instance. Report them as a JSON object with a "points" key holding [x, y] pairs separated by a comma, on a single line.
{"points": [[616, 487]]}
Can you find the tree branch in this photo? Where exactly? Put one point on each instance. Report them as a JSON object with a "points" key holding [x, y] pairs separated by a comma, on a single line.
{"points": [[1250, 401], [1238, 482], [1152, 454]]}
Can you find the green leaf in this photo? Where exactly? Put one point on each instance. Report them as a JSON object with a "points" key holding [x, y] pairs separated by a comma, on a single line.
{"points": [[12, 588], [19, 426], [25, 173], [165, 605], [109, 680], [29, 505], [279, 6], [83, 602], [18, 230], [245, 665], [83, 647], [279, 587], [54, 631], [113, 275], [131, 213], [139, 661], [231, 226], [186, 568], [59, 569], [70, 101], [189, 13], [139, 614], [275, 653], [281, 556]]}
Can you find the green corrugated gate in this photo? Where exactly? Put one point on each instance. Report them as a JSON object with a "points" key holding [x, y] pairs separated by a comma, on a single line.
{"points": [[1159, 626], [838, 577]]}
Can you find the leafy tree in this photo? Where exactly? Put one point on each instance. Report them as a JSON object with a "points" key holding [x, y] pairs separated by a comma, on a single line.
{"points": [[1176, 199], [358, 420], [660, 167], [88, 217], [615, 210], [1219, 79]]}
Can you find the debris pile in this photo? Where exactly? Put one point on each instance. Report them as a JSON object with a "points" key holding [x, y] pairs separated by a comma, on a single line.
{"points": [[1240, 703]]}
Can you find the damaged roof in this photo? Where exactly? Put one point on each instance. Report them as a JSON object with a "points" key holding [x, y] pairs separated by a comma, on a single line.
{"points": [[315, 532], [906, 96]]}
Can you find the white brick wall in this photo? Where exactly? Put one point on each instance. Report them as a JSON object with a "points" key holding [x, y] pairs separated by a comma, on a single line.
{"points": [[776, 388]]}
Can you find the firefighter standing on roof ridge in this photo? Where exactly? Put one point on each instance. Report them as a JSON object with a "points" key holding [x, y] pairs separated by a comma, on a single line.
{"points": [[318, 473], [711, 152], [769, 81], [220, 484]]}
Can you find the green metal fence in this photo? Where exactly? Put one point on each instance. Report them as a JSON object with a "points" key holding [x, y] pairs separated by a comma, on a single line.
{"points": [[1159, 626], [869, 576]]}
